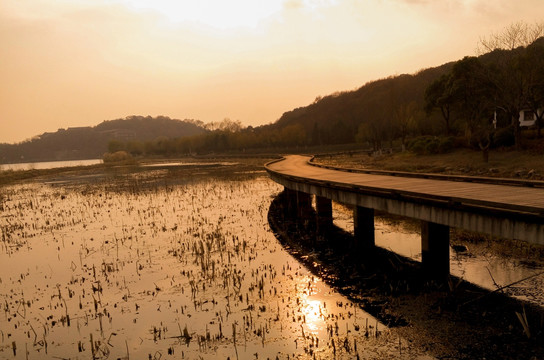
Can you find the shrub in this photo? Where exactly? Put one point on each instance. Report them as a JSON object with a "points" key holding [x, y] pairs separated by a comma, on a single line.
{"points": [[417, 147], [430, 145], [446, 144], [118, 157], [504, 137]]}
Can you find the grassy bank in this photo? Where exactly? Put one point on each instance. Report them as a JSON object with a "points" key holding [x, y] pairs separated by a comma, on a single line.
{"points": [[502, 163]]}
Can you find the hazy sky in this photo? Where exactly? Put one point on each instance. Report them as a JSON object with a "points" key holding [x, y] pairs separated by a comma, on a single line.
{"points": [[66, 63]]}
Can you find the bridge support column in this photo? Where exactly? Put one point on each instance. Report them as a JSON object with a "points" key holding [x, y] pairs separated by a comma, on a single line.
{"points": [[435, 249], [323, 207], [298, 204], [291, 202], [363, 224], [304, 204]]}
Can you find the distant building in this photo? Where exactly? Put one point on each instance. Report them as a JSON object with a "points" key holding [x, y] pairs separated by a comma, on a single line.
{"points": [[527, 118]]}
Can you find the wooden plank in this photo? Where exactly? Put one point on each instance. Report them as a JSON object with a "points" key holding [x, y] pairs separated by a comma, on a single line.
{"points": [[506, 196]]}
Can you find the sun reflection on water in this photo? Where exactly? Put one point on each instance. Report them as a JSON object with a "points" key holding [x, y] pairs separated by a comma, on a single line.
{"points": [[313, 315], [325, 312]]}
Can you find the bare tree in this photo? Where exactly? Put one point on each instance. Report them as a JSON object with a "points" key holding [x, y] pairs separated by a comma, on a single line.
{"points": [[513, 36], [226, 124]]}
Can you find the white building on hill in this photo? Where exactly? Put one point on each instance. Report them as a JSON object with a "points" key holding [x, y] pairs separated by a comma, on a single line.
{"points": [[527, 118]]}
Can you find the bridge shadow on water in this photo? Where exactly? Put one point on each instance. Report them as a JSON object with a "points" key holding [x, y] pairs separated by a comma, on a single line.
{"points": [[451, 318]]}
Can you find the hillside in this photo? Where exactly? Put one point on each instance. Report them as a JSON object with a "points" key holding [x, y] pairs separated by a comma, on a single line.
{"points": [[457, 99], [336, 118], [92, 142]]}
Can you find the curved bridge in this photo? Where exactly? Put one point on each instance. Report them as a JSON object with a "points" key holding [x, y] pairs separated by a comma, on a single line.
{"points": [[504, 208]]}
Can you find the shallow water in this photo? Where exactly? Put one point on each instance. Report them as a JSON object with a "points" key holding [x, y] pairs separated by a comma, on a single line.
{"points": [[49, 164], [173, 271], [482, 268], [189, 164]]}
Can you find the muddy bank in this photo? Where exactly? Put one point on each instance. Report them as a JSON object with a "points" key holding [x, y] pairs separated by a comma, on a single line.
{"points": [[452, 320]]}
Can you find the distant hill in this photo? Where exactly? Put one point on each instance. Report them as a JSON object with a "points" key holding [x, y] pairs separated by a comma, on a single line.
{"points": [[92, 142]]}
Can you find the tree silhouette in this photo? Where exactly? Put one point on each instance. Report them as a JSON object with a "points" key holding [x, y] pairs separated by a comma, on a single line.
{"points": [[518, 34], [439, 95]]}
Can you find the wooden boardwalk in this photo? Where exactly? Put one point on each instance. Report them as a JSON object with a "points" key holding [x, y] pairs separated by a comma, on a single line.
{"points": [[528, 200], [506, 209]]}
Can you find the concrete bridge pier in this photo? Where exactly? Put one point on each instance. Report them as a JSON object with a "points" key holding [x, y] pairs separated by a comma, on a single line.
{"points": [[323, 208], [435, 249], [363, 224], [298, 203], [435, 238], [304, 204], [290, 209]]}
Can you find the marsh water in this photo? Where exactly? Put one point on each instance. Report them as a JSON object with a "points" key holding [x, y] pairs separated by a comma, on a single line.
{"points": [[137, 268], [479, 265], [144, 268], [49, 164]]}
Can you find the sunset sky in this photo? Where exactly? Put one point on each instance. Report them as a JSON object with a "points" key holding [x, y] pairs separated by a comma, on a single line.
{"points": [[66, 63]]}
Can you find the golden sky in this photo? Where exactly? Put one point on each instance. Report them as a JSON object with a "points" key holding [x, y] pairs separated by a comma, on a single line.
{"points": [[66, 63]]}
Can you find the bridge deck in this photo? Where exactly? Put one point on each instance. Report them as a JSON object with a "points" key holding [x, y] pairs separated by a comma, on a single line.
{"points": [[500, 197]]}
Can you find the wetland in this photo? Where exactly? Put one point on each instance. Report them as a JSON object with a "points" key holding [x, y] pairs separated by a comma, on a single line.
{"points": [[166, 262], [195, 261]]}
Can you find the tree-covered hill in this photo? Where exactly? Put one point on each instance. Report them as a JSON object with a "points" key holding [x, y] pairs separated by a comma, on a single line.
{"points": [[336, 118], [92, 142], [149, 128]]}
